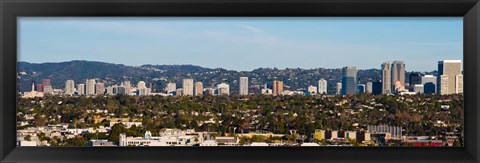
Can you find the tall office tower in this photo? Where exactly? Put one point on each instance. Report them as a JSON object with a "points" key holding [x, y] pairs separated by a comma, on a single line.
{"points": [[243, 86], [39, 87], [141, 85], [171, 87], [142, 88], [46, 82], [110, 90], [128, 86], [115, 89], [90, 87], [392, 71], [387, 77], [255, 89], [188, 87], [277, 87], [361, 88], [48, 89], [398, 72], [377, 87], [223, 89], [69, 87], [121, 90], [429, 83], [339, 88], [80, 89], [413, 79], [322, 86], [459, 84], [349, 80], [369, 87], [312, 90], [448, 77], [153, 87], [179, 92], [99, 88], [198, 88]]}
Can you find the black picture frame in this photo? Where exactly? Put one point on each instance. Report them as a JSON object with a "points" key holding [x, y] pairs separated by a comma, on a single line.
{"points": [[12, 9]]}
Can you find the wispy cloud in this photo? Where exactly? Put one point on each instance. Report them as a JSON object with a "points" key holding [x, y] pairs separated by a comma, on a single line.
{"points": [[250, 28]]}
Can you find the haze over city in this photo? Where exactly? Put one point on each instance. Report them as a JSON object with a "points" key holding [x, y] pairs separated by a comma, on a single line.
{"points": [[244, 44]]}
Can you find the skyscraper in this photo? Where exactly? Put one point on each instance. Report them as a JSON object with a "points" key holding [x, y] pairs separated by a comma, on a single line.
{"points": [[392, 71], [459, 84], [449, 77], [387, 77], [414, 78], [171, 87], [369, 87], [127, 86], [277, 87], [46, 82], [243, 86], [141, 85], [377, 87], [90, 87], [99, 88], [80, 89], [429, 83], [339, 88], [39, 87], [198, 88], [312, 90], [142, 88], [188, 87], [69, 87], [223, 89], [349, 80], [322, 86], [110, 90]]}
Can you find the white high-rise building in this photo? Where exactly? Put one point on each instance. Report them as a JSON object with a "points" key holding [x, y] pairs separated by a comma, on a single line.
{"points": [[450, 78], [312, 90], [90, 87], [128, 86], [171, 87], [339, 88], [69, 87], [223, 89], [141, 84], [99, 88], [198, 88], [369, 87], [243, 86], [188, 87], [459, 84], [80, 89], [322, 86], [392, 71], [110, 90]]}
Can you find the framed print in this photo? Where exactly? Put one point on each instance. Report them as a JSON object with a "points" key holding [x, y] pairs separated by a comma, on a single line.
{"points": [[239, 81]]}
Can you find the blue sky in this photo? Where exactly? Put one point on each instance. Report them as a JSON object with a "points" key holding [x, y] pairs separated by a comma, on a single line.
{"points": [[244, 43]]}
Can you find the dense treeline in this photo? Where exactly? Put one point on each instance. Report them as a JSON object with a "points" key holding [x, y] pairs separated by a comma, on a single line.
{"points": [[418, 114]]}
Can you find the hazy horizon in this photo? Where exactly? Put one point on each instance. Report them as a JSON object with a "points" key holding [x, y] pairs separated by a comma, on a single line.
{"points": [[244, 44]]}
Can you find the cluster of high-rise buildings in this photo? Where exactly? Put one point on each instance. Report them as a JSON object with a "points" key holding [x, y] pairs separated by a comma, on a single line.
{"points": [[393, 81], [448, 81]]}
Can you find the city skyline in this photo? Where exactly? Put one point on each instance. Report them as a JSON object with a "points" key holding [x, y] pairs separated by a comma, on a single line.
{"points": [[243, 44]]}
